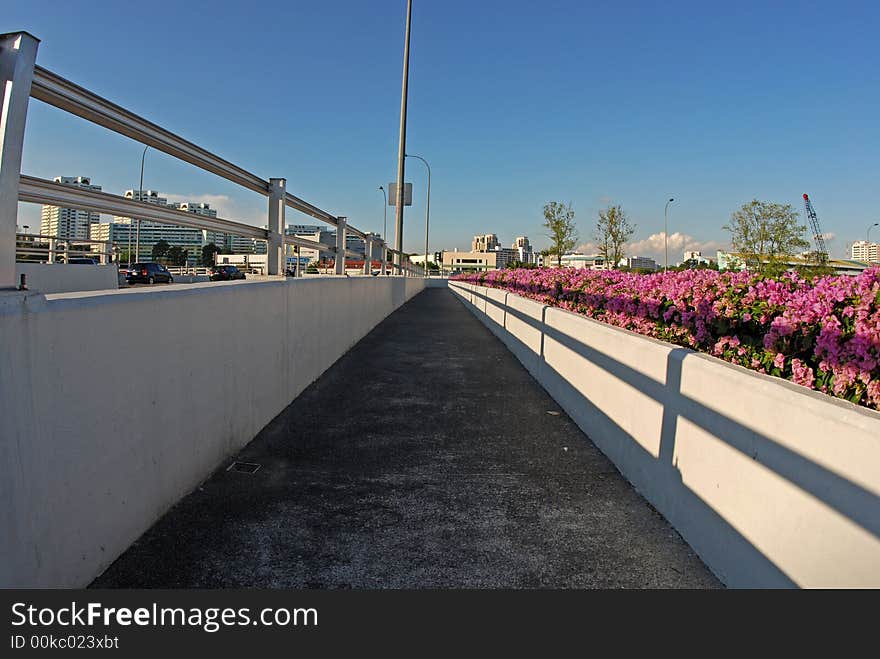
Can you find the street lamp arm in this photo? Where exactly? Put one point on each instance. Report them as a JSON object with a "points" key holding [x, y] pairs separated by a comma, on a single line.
{"points": [[427, 207]]}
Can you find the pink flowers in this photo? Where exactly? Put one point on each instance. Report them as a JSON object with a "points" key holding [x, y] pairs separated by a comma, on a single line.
{"points": [[822, 334]]}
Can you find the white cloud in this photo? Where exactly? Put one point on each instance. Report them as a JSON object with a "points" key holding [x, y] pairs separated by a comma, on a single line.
{"points": [[652, 247], [215, 200], [679, 243]]}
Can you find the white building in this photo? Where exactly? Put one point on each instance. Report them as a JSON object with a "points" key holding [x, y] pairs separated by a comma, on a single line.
{"points": [[640, 262], [485, 243], [121, 229], [576, 260], [524, 251], [69, 223], [316, 234], [866, 252], [696, 257]]}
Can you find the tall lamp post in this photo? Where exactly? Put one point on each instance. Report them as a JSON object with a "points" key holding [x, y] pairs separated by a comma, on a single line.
{"points": [[137, 247], [401, 150], [384, 228], [427, 207], [666, 234], [868, 240]]}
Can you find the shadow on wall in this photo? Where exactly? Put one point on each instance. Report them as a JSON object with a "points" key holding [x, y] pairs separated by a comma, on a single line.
{"points": [[735, 559]]}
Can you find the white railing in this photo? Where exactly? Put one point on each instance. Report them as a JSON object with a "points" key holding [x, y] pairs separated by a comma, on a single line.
{"points": [[21, 78]]}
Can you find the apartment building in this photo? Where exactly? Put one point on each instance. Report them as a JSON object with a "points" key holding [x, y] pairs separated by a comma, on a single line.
{"points": [[69, 223], [866, 252]]}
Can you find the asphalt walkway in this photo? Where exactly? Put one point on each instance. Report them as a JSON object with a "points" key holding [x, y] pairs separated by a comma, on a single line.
{"points": [[426, 457]]}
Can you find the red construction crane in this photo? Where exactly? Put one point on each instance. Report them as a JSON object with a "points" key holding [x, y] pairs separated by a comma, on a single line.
{"points": [[821, 252]]}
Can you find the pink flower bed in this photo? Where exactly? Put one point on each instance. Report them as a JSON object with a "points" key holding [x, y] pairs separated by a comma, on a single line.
{"points": [[824, 334]]}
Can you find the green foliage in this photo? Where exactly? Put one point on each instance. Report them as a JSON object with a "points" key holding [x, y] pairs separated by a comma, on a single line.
{"points": [[765, 234], [208, 252], [160, 249], [559, 222], [613, 230], [177, 255], [813, 272]]}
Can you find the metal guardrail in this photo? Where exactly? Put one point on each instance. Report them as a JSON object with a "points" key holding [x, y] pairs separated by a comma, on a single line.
{"points": [[41, 191], [65, 95], [21, 78]]}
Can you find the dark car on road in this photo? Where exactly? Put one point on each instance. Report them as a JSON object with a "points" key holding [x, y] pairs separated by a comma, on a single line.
{"points": [[225, 273], [148, 273]]}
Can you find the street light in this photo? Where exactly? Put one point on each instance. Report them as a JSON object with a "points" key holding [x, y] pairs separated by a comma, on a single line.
{"points": [[427, 207], [401, 150], [140, 199], [666, 235], [384, 228]]}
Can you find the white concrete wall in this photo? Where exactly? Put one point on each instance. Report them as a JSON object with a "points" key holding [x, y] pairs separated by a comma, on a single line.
{"points": [[112, 409], [64, 278], [771, 484]]}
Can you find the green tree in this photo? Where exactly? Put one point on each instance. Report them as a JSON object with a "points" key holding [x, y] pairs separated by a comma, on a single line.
{"points": [[208, 252], [765, 234], [178, 255], [613, 230], [559, 222], [160, 249]]}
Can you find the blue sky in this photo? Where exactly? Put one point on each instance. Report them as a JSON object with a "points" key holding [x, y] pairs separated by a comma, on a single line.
{"points": [[513, 103]]}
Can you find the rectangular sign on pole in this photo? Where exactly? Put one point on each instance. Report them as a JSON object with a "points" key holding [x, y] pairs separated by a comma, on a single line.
{"points": [[407, 194]]}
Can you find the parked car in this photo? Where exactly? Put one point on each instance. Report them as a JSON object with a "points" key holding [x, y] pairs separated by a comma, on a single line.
{"points": [[82, 260], [148, 273], [225, 273]]}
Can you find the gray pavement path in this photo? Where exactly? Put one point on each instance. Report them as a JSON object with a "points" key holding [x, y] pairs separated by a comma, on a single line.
{"points": [[426, 457]]}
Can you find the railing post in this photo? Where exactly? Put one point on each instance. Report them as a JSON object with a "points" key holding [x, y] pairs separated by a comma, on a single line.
{"points": [[368, 254], [18, 54], [275, 252], [340, 246]]}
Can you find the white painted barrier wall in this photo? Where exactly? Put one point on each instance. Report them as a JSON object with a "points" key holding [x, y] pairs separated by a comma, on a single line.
{"points": [[773, 485], [64, 277], [114, 405]]}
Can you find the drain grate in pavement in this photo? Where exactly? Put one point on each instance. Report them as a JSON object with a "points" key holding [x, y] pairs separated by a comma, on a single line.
{"points": [[244, 467]]}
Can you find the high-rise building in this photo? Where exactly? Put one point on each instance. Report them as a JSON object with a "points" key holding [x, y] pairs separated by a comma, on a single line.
{"points": [[485, 243], [124, 228], [69, 223], [866, 252], [524, 250]]}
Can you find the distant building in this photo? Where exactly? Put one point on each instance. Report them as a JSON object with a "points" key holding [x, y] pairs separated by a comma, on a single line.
{"points": [[696, 257], [69, 223], [524, 251], [640, 262], [188, 238], [470, 261], [582, 261], [731, 261], [866, 252], [485, 243], [315, 233]]}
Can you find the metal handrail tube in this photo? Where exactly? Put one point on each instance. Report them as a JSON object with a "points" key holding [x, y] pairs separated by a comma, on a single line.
{"points": [[70, 97], [65, 95], [305, 242], [40, 191]]}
